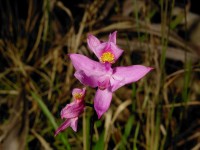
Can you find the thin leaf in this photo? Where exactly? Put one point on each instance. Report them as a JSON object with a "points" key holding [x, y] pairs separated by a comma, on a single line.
{"points": [[50, 117]]}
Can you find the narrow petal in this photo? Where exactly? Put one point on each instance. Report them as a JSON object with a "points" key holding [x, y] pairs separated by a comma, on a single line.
{"points": [[91, 80], [126, 75], [112, 37], [74, 123], [116, 50], [102, 101], [73, 109], [100, 49], [92, 42], [81, 62], [90, 67], [63, 126], [87, 70], [95, 45]]}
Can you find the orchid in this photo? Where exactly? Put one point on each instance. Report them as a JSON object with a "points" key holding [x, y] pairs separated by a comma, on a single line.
{"points": [[101, 74], [72, 111]]}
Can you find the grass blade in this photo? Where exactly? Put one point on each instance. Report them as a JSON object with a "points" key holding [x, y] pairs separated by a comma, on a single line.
{"points": [[50, 117]]}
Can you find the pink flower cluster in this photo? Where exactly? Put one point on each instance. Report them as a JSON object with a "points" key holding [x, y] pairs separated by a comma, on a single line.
{"points": [[102, 75]]}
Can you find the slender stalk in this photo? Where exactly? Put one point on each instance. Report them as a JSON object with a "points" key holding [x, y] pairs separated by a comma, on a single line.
{"points": [[88, 128], [84, 132], [93, 119]]}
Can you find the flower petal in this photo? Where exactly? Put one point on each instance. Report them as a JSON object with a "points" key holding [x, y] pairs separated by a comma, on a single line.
{"points": [[92, 42], [100, 49], [62, 127], [88, 70], [73, 109], [91, 81], [104, 82], [95, 46], [90, 67], [77, 90], [126, 75], [74, 123], [78, 94], [112, 37], [102, 101], [116, 50]]}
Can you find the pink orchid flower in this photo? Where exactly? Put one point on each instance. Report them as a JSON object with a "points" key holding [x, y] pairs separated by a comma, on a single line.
{"points": [[105, 51], [101, 75], [72, 111]]}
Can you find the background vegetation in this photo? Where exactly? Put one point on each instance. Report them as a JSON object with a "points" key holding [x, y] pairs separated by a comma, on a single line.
{"points": [[159, 112]]}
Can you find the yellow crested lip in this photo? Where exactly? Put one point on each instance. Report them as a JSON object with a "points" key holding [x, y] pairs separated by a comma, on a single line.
{"points": [[78, 96], [107, 57]]}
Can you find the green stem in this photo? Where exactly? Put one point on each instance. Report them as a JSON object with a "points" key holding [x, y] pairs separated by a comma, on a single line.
{"points": [[94, 117]]}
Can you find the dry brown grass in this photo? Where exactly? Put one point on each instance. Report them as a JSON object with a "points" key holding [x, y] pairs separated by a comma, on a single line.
{"points": [[158, 112]]}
